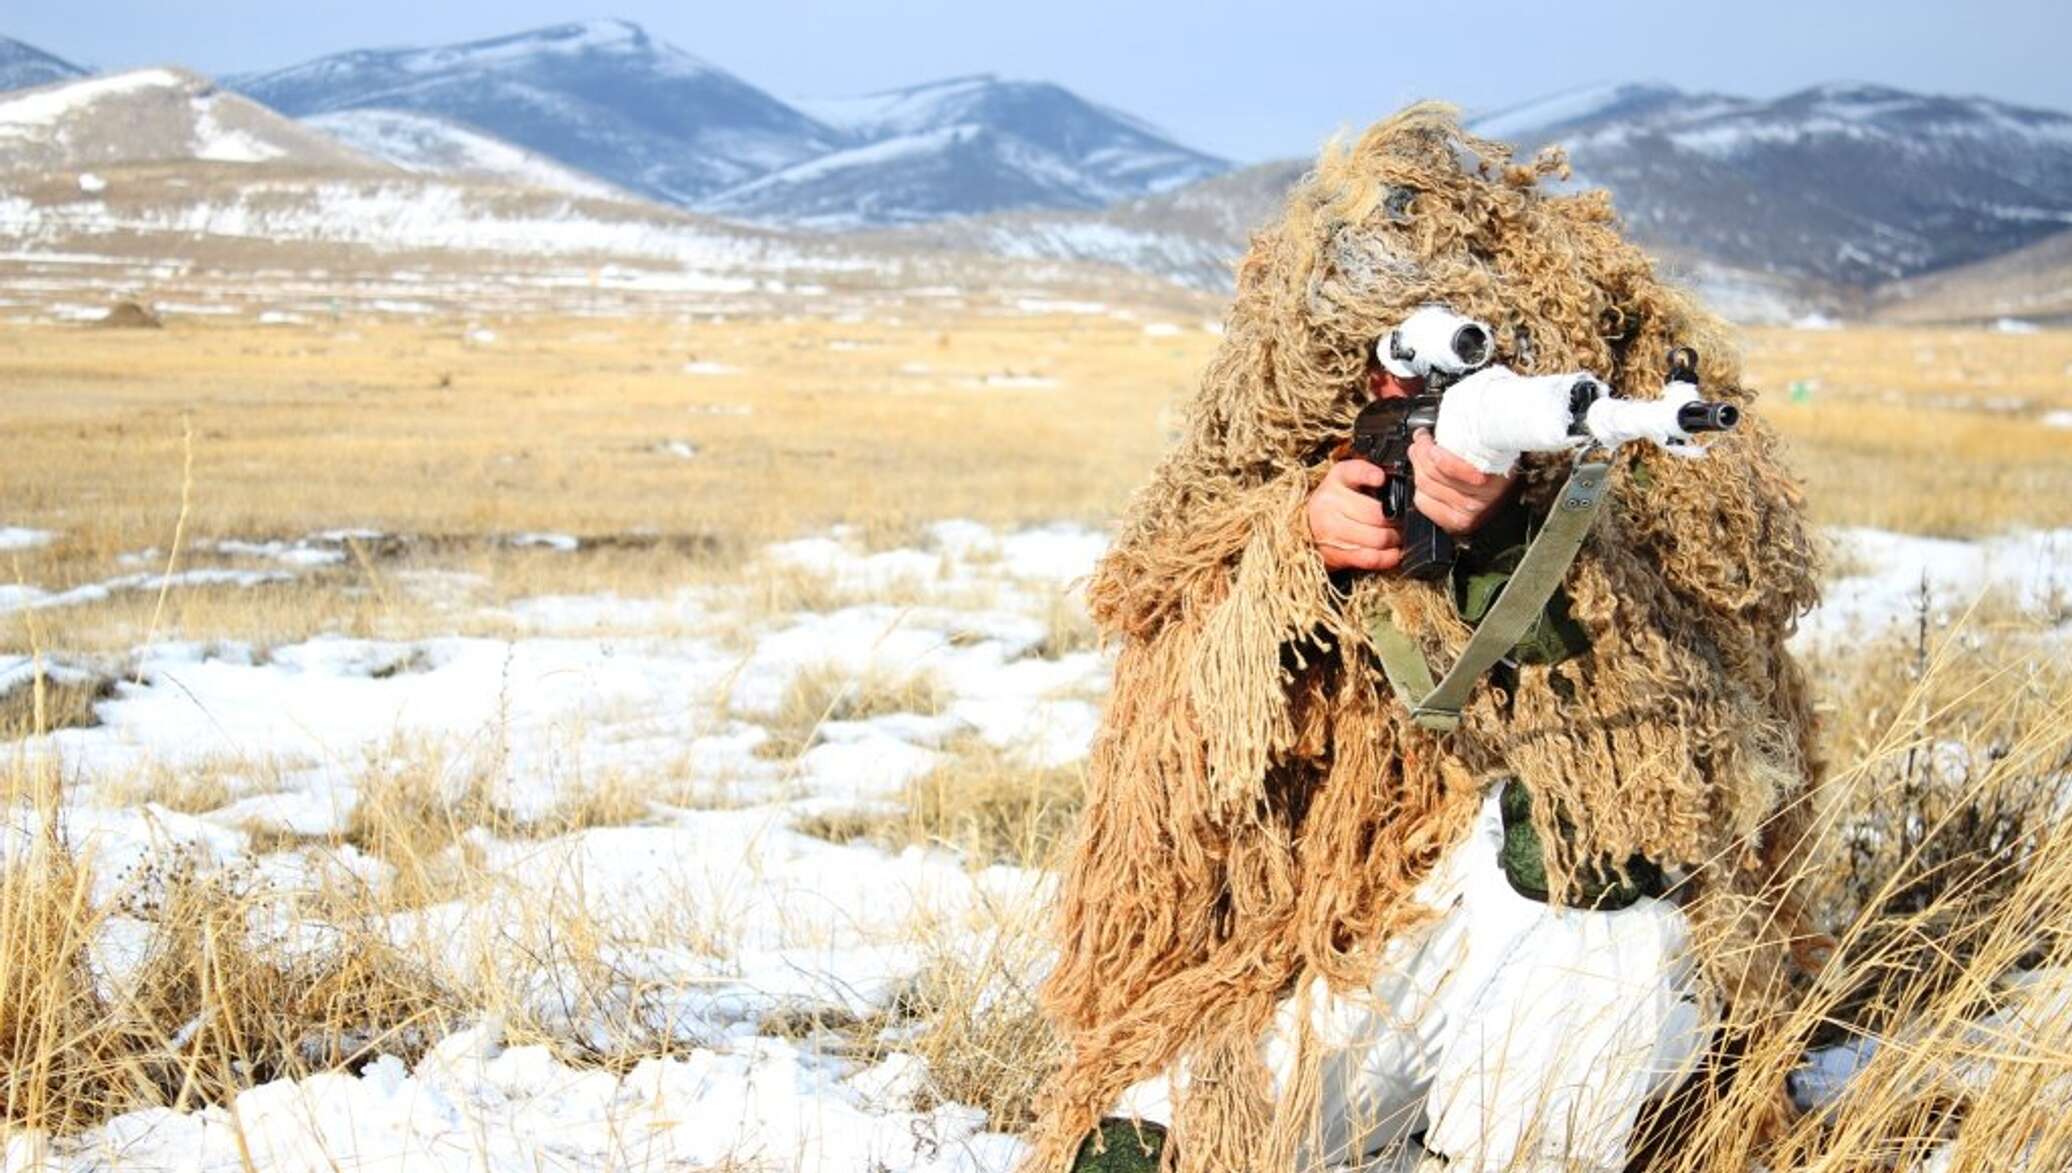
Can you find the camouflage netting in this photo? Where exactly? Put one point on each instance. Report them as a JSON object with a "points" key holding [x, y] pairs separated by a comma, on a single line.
{"points": [[1260, 809]]}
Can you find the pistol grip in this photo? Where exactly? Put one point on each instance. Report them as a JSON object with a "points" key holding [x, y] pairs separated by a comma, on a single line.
{"points": [[1428, 551]]}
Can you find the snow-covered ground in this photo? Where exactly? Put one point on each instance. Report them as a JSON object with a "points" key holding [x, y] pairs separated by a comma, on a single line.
{"points": [[582, 690], [672, 696], [1891, 576]]}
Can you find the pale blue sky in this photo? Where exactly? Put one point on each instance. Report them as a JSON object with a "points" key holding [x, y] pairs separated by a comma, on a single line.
{"points": [[1250, 80]]}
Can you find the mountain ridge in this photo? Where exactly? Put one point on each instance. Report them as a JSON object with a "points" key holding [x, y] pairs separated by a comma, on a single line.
{"points": [[1763, 202], [601, 97], [606, 98], [24, 66], [152, 115]]}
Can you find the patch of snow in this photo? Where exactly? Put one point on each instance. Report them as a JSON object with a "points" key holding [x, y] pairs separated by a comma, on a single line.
{"points": [[16, 597], [14, 537], [288, 553], [92, 184], [2034, 566], [472, 1103], [2015, 326], [709, 368], [17, 671], [565, 543], [218, 143], [99, 591], [1568, 106], [428, 144], [1051, 305], [44, 107]]}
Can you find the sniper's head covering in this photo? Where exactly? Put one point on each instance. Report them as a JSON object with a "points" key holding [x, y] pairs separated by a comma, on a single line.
{"points": [[1418, 211]]}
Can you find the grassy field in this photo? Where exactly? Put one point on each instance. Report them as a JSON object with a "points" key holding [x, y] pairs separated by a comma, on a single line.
{"points": [[674, 451], [675, 448]]}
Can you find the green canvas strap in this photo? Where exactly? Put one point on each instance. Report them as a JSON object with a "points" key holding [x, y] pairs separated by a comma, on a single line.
{"points": [[1539, 573]]}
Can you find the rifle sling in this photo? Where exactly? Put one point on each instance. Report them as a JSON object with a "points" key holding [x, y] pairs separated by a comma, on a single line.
{"points": [[1545, 564]]}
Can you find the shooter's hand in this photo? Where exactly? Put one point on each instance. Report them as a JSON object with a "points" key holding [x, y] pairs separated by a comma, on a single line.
{"points": [[1455, 495], [1346, 522]]}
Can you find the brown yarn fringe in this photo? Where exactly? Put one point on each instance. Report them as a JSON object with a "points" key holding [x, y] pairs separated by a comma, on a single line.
{"points": [[1259, 809]]}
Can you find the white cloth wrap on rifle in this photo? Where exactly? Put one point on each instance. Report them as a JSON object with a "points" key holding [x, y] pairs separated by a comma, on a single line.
{"points": [[1616, 421], [1489, 418], [1428, 334]]}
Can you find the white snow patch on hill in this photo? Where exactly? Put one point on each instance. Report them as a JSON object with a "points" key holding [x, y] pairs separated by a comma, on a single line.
{"points": [[421, 214], [568, 40], [219, 144], [427, 144], [39, 109]]}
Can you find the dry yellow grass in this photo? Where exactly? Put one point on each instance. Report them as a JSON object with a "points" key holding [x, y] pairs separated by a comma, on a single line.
{"points": [[1925, 431], [826, 692], [566, 426], [990, 806]]}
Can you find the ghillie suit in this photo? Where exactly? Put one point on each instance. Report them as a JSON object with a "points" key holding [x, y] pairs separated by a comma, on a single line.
{"points": [[1260, 809]]}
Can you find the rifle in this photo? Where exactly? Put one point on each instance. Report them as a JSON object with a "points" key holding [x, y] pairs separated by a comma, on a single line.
{"points": [[1491, 415]]}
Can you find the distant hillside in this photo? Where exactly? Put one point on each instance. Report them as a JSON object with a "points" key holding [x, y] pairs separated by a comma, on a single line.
{"points": [[430, 145], [1836, 200], [1855, 184], [149, 115], [603, 98], [600, 97], [23, 66], [965, 146], [1192, 235], [1760, 205], [2033, 283]]}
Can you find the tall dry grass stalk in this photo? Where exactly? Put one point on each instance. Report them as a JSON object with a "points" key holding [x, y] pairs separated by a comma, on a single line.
{"points": [[1946, 885]]}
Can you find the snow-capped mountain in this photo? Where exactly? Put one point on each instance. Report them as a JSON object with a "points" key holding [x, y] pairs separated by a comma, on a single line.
{"points": [[600, 97], [1850, 183], [429, 145], [1771, 208], [965, 146], [604, 99], [152, 115], [1192, 235], [23, 66]]}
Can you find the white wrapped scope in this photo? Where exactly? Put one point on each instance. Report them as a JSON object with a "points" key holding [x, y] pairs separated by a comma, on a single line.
{"points": [[1435, 340]]}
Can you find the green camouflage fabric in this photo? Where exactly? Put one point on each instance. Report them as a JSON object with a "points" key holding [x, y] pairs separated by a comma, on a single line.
{"points": [[1603, 888], [1127, 1146], [1484, 567], [1479, 577]]}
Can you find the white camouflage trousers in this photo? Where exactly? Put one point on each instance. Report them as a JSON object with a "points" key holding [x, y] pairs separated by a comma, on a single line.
{"points": [[1507, 1034]]}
